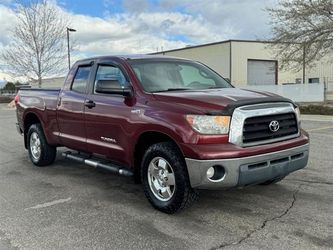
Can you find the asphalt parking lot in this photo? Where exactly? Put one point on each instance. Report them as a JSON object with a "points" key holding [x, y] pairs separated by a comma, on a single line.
{"points": [[71, 206]]}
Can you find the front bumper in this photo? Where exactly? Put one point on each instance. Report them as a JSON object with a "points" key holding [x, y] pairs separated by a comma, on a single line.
{"points": [[248, 170]]}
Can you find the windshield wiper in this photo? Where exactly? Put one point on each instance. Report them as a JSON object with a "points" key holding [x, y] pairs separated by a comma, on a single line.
{"points": [[171, 89], [216, 87]]}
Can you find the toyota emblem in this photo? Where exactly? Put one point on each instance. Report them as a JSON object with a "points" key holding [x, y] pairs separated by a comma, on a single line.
{"points": [[274, 126]]}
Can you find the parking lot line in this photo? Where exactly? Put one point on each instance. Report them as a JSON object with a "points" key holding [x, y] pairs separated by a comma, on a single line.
{"points": [[317, 129], [49, 204]]}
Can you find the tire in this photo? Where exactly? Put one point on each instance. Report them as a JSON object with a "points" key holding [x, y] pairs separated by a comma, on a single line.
{"points": [[272, 181], [164, 159], [40, 152]]}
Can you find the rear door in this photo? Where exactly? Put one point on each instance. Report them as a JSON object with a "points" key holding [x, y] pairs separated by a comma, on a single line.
{"points": [[107, 123], [70, 113]]}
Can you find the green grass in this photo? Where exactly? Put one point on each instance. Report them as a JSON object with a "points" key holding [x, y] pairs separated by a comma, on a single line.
{"points": [[316, 109]]}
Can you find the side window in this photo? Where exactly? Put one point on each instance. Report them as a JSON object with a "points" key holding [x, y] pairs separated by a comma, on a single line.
{"points": [[193, 75], [81, 78], [108, 72], [314, 80]]}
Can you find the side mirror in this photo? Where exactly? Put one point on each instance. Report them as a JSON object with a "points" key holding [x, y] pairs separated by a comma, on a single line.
{"points": [[112, 87]]}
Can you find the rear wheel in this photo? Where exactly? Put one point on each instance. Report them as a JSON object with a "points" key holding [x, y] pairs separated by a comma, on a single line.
{"points": [[165, 178], [40, 152]]}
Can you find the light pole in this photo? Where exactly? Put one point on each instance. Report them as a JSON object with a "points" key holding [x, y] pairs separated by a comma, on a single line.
{"points": [[68, 50]]}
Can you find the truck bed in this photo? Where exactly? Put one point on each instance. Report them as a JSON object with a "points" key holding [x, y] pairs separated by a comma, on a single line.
{"points": [[42, 102], [39, 97]]}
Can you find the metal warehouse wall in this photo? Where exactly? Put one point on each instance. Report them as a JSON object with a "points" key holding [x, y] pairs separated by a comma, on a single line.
{"points": [[55, 82], [323, 70], [216, 56], [243, 51]]}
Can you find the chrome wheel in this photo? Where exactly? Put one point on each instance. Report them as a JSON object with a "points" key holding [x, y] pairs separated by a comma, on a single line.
{"points": [[161, 179], [35, 148]]}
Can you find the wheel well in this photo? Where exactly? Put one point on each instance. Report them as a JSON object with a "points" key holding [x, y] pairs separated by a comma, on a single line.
{"points": [[145, 141], [29, 120]]}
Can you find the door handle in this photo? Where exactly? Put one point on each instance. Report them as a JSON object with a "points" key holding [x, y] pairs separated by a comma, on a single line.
{"points": [[89, 104], [59, 101]]}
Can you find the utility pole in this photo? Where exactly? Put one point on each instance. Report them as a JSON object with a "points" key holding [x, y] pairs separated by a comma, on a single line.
{"points": [[304, 61], [68, 49]]}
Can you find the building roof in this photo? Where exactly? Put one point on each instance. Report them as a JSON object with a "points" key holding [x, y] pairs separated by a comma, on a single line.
{"points": [[155, 54], [210, 44]]}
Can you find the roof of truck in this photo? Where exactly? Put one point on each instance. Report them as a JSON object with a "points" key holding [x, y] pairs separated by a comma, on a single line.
{"points": [[131, 57]]}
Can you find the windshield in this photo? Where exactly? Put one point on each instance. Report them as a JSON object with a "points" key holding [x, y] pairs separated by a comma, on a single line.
{"points": [[173, 75]]}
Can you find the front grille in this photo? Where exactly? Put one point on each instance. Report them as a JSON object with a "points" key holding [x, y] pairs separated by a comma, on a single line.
{"points": [[256, 129]]}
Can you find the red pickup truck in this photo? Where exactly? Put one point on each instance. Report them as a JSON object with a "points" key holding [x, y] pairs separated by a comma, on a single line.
{"points": [[174, 124]]}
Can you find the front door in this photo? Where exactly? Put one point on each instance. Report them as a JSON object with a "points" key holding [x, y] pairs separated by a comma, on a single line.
{"points": [[107, 122]]}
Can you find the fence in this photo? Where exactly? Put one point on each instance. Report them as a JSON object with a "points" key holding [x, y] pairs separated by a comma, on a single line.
{"points": [[328, 81], [296, 92]]}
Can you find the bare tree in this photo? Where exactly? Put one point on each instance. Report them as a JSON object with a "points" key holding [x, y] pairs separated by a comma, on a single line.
{"points": [[302, 31], [38, 45]]}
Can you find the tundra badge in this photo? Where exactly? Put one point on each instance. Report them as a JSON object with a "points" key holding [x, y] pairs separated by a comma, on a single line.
{"points": [[107, 139]]}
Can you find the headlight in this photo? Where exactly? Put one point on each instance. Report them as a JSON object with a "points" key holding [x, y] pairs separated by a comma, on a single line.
{"points": [[205, 124]]}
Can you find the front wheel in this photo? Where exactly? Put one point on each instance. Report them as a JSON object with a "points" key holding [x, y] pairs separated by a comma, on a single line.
{"points": [[40, 152], [165, 178]]}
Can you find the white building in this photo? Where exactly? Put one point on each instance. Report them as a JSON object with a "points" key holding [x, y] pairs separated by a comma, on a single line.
{"points": [[53, 82], [251, 63]]}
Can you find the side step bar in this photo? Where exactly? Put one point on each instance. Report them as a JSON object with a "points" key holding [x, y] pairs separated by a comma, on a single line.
{"points": [[96, 164]]}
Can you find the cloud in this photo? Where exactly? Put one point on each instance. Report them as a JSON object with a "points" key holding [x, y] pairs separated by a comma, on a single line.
{"points": [[142, 32], [247, 19], [168, 23], [7, 20], [5, 77], [137, 5], [139, 26]]}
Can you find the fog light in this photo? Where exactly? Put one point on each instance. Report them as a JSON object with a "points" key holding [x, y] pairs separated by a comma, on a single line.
{"points": [[216, 173], [210, 172]]}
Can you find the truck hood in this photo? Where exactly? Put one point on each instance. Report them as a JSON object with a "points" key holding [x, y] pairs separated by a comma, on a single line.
{"points": [[217, 99]]}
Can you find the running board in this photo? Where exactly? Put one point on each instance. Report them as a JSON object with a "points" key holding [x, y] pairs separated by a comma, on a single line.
{"points": [[96, 164]]}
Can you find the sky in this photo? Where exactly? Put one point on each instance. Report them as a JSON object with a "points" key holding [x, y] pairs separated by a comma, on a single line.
{"points": [[108, 27]]}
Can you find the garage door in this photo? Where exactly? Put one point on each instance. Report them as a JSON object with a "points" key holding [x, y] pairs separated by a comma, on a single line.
{"points": [[261, 72]]}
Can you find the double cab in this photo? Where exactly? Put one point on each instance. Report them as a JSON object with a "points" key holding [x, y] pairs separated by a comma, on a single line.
{"points": [[173, 124]]}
